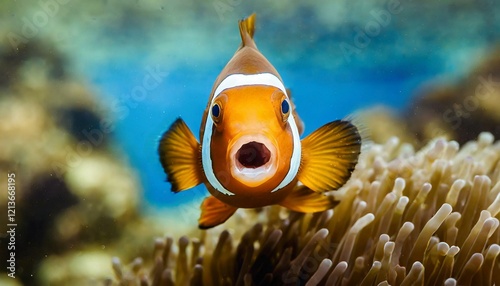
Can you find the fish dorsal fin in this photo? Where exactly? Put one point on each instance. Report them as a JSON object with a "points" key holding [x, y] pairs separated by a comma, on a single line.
{"points": [[214, 212], [247, 30], [180, 156], [303, 200], [329, 156]]}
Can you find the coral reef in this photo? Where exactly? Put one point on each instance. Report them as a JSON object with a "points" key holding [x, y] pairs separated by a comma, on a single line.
{"points": [[405, 218], [456, 110], [73, 191]]}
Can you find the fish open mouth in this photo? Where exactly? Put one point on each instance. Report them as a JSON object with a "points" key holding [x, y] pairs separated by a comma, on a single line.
{"points": [[253, 159], [253, 155]]}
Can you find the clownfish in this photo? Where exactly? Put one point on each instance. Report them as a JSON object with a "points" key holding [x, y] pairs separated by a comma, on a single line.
{"points": [[251, 154]]}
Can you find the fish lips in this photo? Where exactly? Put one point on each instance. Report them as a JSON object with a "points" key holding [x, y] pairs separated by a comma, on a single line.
{"points": [[253, 159]]}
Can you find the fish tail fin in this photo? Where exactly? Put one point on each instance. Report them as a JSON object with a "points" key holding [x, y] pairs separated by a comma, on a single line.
{"points": [[329, 156], [214, 212], [180, 156], [247, 30]]}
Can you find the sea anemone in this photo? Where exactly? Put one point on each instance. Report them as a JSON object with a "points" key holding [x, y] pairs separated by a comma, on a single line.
{"points": [[405, 218]]}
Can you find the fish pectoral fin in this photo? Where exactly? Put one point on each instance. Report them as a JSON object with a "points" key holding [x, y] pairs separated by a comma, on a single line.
{"points": [[303, 200], [214, 212], [329, 156], [180, 156]]}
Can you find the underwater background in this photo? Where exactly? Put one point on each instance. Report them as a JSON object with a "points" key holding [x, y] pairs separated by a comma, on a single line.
{"points": [[87, 89]]}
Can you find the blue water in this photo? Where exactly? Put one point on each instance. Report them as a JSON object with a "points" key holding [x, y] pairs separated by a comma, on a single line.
{"points": [[319, 96], [326, 84]]}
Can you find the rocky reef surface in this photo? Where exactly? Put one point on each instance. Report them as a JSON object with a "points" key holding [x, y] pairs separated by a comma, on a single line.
{"points": [[75, 194], [458, 109]]}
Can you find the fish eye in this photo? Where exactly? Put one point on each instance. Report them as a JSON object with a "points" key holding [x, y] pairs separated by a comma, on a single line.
{"points": [[282, 106], [285, 109], [216, 112], [285, 106]]}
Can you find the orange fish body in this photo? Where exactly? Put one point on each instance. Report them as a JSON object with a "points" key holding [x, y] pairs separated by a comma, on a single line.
{"points": [[251, 154], [254, 158]]}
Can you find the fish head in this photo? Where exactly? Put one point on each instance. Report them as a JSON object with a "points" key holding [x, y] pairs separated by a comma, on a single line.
{"points": [[252, 142]]}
